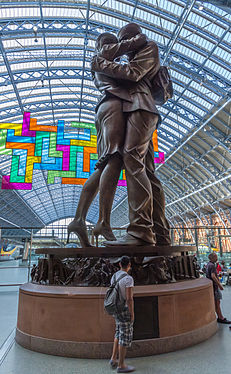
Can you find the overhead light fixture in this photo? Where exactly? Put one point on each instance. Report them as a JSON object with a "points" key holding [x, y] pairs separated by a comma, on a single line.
{"points": [[35, 29], [201, 6]]}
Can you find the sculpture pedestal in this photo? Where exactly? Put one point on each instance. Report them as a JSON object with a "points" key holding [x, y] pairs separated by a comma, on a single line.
{"points": [[71, 322]]}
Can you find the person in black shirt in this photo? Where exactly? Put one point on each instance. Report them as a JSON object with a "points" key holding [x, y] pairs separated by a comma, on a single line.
{"points": [[211, 273]]}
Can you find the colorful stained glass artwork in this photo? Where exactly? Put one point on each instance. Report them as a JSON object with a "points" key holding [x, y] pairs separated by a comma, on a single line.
{"points": [[70, 156]]}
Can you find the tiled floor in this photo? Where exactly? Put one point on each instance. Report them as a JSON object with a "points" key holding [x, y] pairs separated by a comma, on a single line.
{"points": [[9, 295], [212, 356], [8, 308]]}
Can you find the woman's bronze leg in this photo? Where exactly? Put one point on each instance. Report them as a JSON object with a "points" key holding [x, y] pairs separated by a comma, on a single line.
{"points": [[107, 189], [89, 191]]}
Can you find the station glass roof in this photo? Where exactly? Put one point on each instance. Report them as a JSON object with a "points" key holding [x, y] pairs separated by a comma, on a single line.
{"points": [[46, 48]]}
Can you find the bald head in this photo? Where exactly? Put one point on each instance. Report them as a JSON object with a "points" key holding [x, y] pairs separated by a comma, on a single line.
{"points": [[128, 31]]}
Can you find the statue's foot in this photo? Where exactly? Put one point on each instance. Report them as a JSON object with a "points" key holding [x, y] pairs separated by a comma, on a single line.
{"points": [[105, 231], [127, 240], [79, 228]]}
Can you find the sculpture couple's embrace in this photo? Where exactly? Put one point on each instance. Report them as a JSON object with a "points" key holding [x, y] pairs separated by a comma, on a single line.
{"points": [[126, 117]]}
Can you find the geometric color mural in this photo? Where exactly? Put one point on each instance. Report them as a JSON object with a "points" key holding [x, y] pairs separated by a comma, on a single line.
{"points": [[68, 155]]}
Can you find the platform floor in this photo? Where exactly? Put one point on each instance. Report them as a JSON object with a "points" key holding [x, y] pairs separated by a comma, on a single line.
{"points": [[212, 356]]}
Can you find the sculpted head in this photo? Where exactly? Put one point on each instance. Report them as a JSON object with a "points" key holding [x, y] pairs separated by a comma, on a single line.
{"points": [[105, 38], [128, 31]]}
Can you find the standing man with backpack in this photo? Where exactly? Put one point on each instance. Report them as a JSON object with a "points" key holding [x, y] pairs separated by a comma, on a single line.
{"points": [[124, 315], [145, 193]]}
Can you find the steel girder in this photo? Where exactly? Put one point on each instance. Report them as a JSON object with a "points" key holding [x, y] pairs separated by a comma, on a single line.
{"points": [[178, 28]]}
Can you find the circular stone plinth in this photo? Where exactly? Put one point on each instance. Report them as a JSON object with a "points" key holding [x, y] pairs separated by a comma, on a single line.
{"points": [[70, 321]]}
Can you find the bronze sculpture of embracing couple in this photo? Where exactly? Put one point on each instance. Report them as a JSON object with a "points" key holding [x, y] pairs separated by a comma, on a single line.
{"points": [[126, 116]]}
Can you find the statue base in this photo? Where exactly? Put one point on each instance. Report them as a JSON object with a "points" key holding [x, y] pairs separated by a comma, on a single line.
{"points": [[71, 322], [95, 266]]}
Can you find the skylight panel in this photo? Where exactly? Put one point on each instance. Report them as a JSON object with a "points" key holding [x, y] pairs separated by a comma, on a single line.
{"points": [[216, 9], [72, 12], [193, 108], [204, 91], [184, 121], [36, 91], [108, 20], [180, 77], [212, 65], [42, 191], [5, 161], [119, 6], [158, 38], [169, 129], [25, 65], [19, 12], [202, 42], [36, 98], [223, 54], [203, 102], [76, 41], [25, 55], [7, 94], [177, 8], [219, 69], [227, 37], [30, 195], [63, 63], [66, 51], [9, 105], [22, 42], [91, 43], [25, 84], [67, 82], [164, 110], [34, 201], [3, 69], [63, 96], [162, 146], [64, 89], [177, 87], [186, 51], [174, 124], [168, 25], [197, 19], [213, 96], [148, 16], [215, 29], [57, 40]]}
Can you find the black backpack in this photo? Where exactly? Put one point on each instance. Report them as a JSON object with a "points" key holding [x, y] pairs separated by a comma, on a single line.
{"points": [[113, 302], [162, 88]]}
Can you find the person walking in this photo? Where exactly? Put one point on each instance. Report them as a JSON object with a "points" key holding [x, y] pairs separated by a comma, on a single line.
{"points": [[124, 320]]}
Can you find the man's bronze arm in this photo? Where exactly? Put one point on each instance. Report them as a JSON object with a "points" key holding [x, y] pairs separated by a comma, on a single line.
{"points": [[146, 60], [112, 51]]}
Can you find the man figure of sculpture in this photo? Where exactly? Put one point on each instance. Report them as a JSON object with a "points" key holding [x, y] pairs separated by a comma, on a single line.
{"points": [[111, 126], [145, 193], [211, 273], [124, 320]]}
